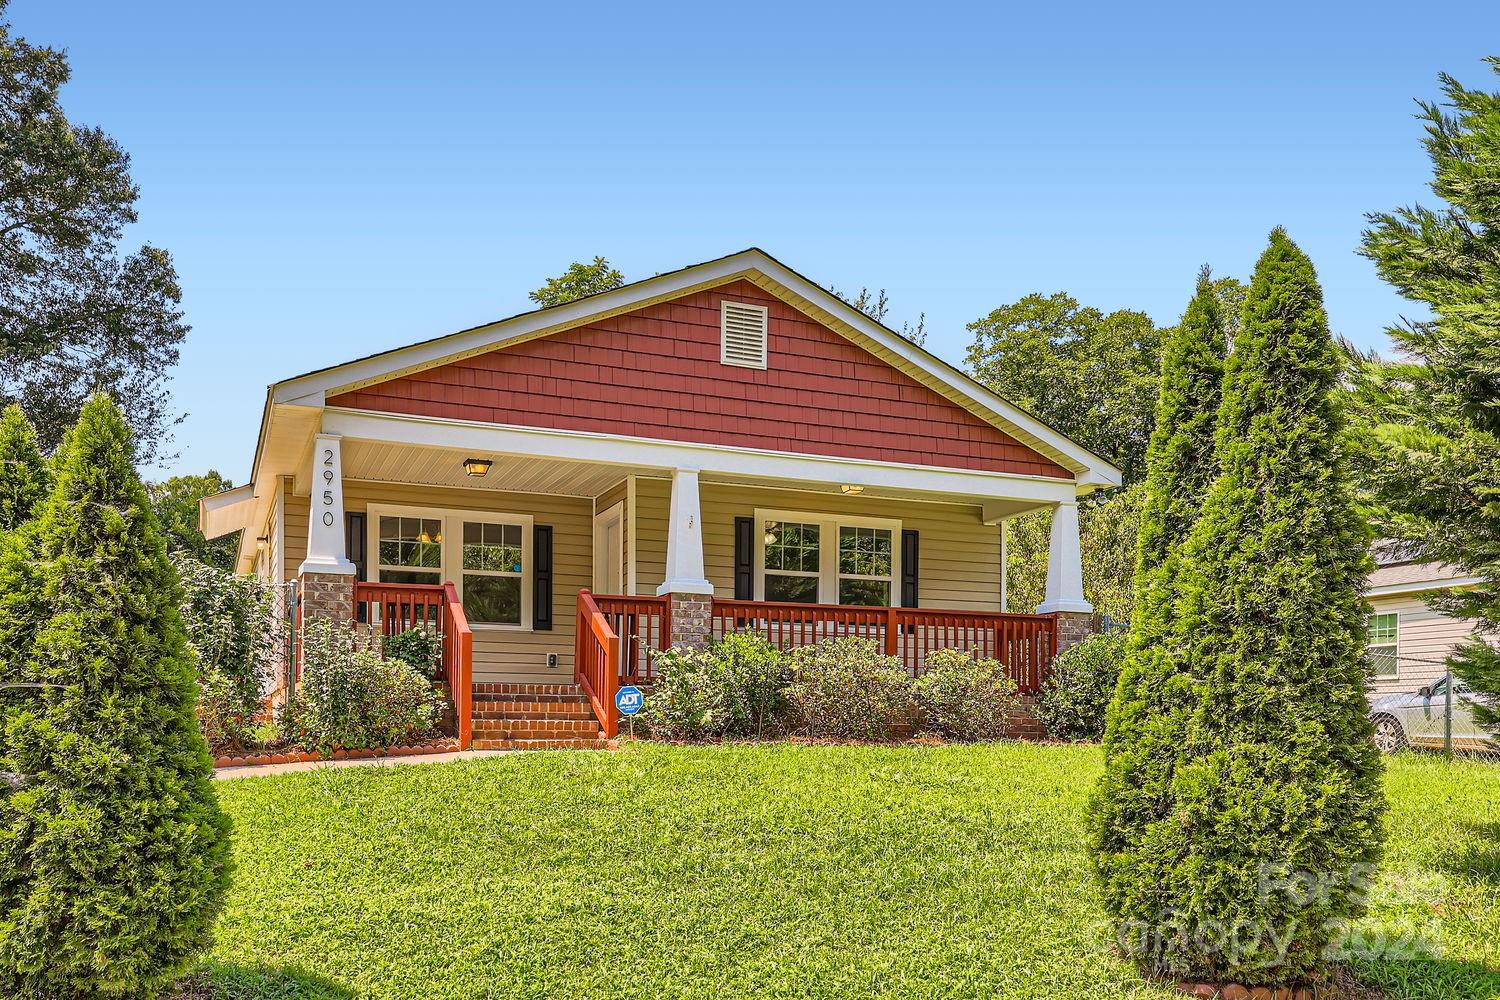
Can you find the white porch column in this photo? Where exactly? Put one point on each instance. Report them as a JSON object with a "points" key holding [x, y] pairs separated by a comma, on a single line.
{"points": [[686, 587], [325, 521], [685, 539], [1065, 564]]}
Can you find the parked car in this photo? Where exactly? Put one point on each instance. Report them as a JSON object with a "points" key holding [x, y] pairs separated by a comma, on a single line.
{"points": [[1416, 718]]}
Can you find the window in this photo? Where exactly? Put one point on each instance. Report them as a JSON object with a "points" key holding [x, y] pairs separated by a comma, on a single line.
{"points": [[492, 568], [1381, 645], [485, 554], [865, 566], [792, 561], [827, 558], [410, 550], [742, 333]]}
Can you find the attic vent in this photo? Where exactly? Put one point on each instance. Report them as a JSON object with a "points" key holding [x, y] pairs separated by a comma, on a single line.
{"points": [[743, 334]]}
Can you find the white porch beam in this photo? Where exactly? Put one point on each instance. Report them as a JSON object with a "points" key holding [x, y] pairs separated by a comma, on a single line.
{"points": [[685, 574], [474, 437], [325, 522], [1064, 564]]}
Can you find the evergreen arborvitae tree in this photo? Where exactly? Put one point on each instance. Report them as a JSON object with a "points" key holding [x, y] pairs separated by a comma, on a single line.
{"points": [[114, 857], [24, 476], [1276, 790], [1155, 696], [1430, 450]]}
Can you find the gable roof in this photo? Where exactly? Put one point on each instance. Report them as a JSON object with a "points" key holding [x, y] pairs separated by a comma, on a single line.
{"points": [[755, 265]]}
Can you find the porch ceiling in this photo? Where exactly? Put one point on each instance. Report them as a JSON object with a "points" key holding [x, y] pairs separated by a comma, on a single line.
{"points": [[394, 463]]}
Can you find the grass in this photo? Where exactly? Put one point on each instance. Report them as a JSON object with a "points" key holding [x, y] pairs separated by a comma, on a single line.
{"points": [[767, 871]]}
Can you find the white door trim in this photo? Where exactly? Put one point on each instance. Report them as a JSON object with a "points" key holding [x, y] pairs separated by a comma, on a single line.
{"points": [[615, 516]]}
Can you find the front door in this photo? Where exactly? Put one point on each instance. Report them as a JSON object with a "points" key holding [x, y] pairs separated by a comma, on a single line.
{"points": [[609, 550]]}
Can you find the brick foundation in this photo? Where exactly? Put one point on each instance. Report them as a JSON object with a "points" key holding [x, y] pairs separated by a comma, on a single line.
{"points": [[692, 620]]}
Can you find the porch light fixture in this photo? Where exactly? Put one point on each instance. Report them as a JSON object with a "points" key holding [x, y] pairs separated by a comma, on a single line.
{"points": [[851, 491], [260, 543], [770, 533], [477, 466]]}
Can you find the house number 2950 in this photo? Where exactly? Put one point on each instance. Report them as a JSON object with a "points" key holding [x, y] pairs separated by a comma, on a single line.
{"points": [[328, 494]]}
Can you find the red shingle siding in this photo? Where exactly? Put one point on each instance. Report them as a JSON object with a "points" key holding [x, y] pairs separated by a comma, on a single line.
{"points": [[655, 373]]}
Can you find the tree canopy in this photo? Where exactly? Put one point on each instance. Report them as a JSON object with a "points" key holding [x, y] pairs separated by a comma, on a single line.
{"points": [[577, 281], [175, 501], [76, 316], [1429, 446]]}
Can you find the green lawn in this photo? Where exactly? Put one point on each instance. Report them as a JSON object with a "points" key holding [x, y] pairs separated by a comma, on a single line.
{"points": [[767, 871]]}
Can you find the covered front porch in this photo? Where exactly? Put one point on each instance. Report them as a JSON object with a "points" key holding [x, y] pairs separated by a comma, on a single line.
{"points": [[550, 558]]}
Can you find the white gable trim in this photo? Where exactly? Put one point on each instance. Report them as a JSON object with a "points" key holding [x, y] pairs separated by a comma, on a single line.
{"points": [[755, 265]]}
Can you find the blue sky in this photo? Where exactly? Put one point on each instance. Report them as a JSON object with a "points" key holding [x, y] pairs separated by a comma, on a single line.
{"points": [[334, 179]]}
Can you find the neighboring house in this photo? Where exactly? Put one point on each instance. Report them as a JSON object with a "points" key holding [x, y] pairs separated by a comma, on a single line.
{"points": [[1409, 642], [565, 492]]}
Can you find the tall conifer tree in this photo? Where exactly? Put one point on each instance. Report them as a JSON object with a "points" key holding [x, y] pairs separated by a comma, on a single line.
{"points": [[1155, 697], [1276, 790], [114, 856], [24, 476]]}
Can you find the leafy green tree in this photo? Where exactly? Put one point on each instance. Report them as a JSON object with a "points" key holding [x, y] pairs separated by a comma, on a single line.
{"points": [[114, 859], [1154, 697], [75, 316], [578, 281], [1106, 538], [1429, 448], [175, 501], [24, 475], [1275, 789], [1089, 374]]}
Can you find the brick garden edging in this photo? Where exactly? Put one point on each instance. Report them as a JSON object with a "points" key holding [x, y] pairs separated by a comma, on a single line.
{"points": [[305, 757]]}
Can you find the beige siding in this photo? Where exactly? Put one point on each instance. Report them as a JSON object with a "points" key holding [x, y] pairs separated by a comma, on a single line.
{"points": [[509, 654], [960, 562], [1424, 639], [294, 522]]}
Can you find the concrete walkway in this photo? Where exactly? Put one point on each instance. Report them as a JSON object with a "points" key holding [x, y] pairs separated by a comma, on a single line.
{"points": [[265, 770]]}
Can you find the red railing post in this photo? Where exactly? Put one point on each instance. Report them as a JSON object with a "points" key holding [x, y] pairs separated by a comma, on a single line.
{"points": [[892, 632]]}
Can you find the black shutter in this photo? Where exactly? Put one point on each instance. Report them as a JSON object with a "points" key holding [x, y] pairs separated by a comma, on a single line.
{"points": [[541, 577], [744, 559], [354, 542], [909, 557]]}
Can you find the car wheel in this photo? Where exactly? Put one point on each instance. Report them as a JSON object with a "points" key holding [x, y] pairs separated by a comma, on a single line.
{"points": [[1389, 736]]}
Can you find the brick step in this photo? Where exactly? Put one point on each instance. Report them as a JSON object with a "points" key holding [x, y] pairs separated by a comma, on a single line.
{"points": [[519, 728], [530, 744], [485, 689], [495, 702], [563, 710]]}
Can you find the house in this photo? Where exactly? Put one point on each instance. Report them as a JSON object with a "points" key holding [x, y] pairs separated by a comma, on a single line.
{"points": [[1408, 642], [565, 492]]}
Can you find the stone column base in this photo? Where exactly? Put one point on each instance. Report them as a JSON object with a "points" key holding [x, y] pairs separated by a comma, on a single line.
{"points": [[326, 595], [692, 620], [1072, 628]]}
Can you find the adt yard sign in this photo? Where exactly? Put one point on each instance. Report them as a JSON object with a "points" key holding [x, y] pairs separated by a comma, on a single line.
{"points": [[629, 699]]}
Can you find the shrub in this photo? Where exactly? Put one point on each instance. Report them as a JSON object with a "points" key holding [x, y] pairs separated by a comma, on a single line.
{"points": [[963, 697], [234, 627], [350, 697], [114, 860], [845, 688], [417, 648], [1076, 692], [735, 688]]}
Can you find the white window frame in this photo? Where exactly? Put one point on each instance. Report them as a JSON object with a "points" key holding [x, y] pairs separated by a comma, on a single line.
{"points": [[828, 550], [452, 550], [1394, 646]]}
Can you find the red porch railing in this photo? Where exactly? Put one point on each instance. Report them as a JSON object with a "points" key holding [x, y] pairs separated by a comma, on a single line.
{"points": [[644, 628], [596, 662], [394, 608], [1024, 643]]}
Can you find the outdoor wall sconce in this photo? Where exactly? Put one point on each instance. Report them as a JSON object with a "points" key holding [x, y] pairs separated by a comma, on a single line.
{"points": [[477, 466], [851, 491], [260, 543]]}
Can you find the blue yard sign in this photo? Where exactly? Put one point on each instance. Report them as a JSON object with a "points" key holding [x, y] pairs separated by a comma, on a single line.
{"points": [[629, 699]]}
